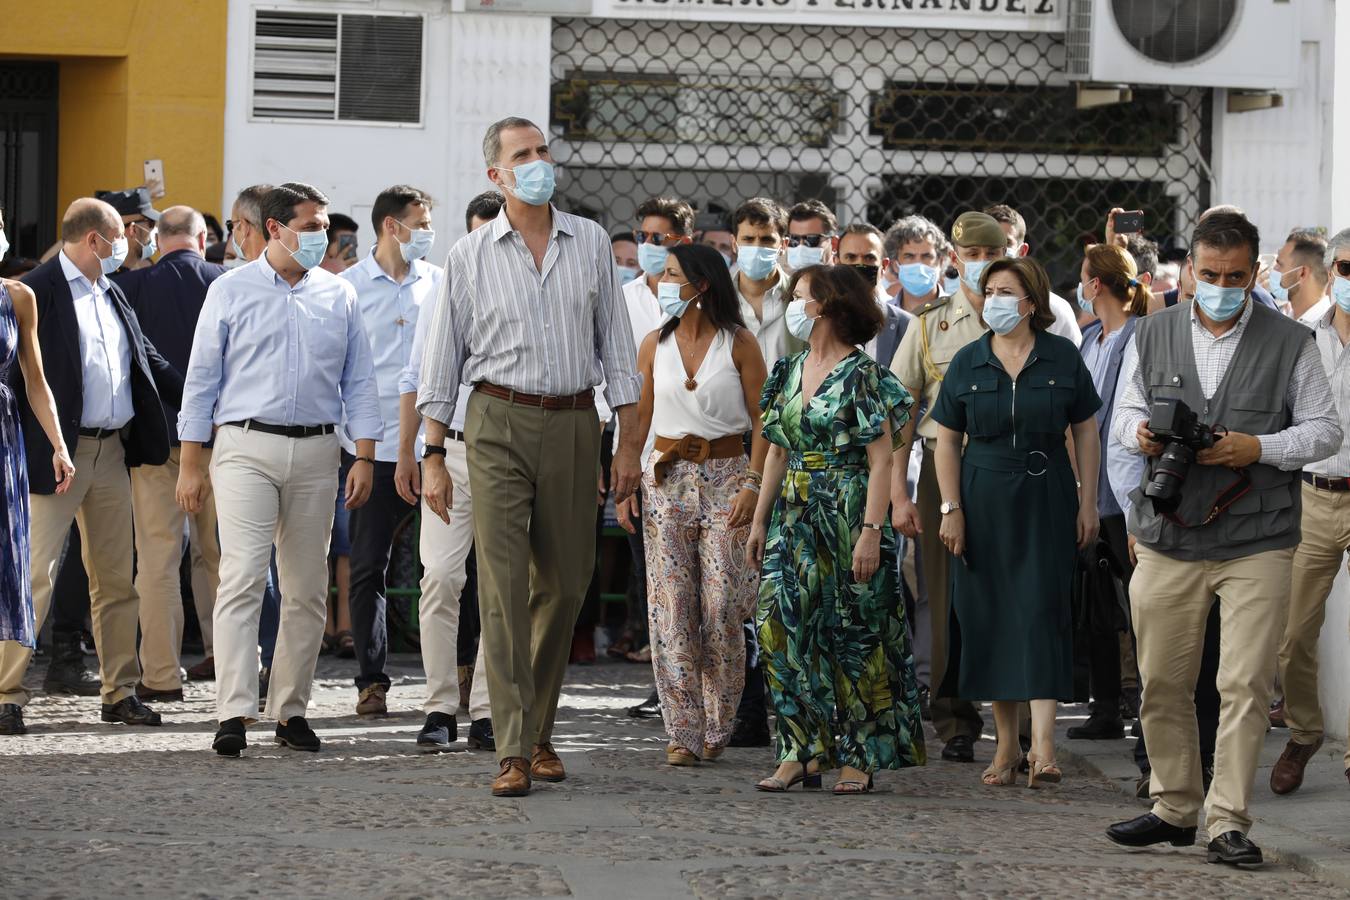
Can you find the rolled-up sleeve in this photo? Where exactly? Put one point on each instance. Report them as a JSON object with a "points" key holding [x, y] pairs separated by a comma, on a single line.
{"points": [[1131, 409], [1314, 432], [445, 347], [206, 366], [1123, 468], [614, 336], [411, 376], [360, 392]]}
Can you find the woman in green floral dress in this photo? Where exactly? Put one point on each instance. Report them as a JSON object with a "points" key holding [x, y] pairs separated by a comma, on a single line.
{"points": [[831, 622]]}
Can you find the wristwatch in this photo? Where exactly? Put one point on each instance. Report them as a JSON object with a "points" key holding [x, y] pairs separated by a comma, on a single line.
{"points": [[948, 507], [432, 450]]}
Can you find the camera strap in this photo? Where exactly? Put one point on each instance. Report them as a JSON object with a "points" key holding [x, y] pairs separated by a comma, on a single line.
{"points": [[1226, 498]]}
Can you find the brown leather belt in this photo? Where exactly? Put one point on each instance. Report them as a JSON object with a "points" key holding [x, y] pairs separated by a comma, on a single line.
{"points": [[1322, 483], [695, 449], [583, 400]]}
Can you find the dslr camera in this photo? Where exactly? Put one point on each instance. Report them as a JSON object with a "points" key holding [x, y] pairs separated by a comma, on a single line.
{"points": [[1176, 426]]}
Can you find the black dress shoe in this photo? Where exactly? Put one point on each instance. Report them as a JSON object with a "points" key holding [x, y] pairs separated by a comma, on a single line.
{"points": [[130, 711], [480, 735], [959, 749], [297, 735], [230, 739], [1234, 849], [67, 673], [439, 732], [1148, 829], [11, 719], [1098, 729], [749, 734], [149, 693], [647, 709]]}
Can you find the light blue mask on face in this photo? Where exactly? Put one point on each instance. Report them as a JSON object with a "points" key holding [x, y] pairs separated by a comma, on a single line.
{"points": [[313, 245], [1219, 303], [1277, 290], [151, 245], [757, 262], [801, 256], [1340, 292], [535, 182], [4, 244], [652, 258], [1001, 313], [951, 285], [799, 324], [918, 279], [668, 295], [1083, 302], [110, 264], [418, 244], [973, 272], [625, 273]]}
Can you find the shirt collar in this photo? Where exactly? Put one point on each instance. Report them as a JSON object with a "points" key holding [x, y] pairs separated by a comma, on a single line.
{"points": [[1042, 348], [370, 267], [501, 226], [272, 277], [73, 273]]}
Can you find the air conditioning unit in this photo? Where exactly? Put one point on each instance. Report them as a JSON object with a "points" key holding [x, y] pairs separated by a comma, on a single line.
{"points": [[1251, 44]]}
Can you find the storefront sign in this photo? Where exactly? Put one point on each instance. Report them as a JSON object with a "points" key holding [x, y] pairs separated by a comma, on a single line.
{"points": [[979, 15]]}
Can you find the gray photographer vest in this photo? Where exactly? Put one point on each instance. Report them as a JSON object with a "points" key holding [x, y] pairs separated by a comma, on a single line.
{"points": [[1250, 399]]}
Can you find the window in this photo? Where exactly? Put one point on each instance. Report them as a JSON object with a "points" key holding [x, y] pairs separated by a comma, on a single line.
{"points": [[337, 67]]}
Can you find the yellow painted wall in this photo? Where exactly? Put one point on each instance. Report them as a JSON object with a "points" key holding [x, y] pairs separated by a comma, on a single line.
{"points": [[140, 79]]}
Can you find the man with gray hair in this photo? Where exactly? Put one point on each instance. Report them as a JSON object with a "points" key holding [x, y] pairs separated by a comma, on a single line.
{"points": [[245, 235], [1326, 535], [167, 298], [916, 249]]}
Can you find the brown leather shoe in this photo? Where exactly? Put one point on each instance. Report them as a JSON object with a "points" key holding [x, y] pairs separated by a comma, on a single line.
{"points": [[1287, 776], [514, 780], [545, 765], [204, 670], [371, 702]]}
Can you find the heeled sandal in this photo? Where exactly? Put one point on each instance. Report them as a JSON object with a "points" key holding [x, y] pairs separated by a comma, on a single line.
{"points": [[711, 753], [810, 781], [1048, 773], [679, 756], [846, 788], [992, 777]]}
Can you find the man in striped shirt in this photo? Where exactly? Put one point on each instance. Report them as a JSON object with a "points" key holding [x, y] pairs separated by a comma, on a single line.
{"points": [[531, 315]]}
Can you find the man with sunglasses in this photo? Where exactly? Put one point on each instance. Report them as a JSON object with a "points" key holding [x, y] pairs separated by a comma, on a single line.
{"points": [[244, 235], [138, 221], [812, 235]]}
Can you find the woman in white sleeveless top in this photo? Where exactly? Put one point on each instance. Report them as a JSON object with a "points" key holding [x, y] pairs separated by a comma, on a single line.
{"points": [[702, 374]]}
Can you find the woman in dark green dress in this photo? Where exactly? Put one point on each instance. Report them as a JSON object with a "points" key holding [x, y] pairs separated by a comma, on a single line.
{"points": [[831, 622], [1012, 514]]}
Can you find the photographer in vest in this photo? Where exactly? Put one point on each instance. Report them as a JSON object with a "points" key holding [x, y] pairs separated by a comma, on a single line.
{"points": [[1229, 402]]}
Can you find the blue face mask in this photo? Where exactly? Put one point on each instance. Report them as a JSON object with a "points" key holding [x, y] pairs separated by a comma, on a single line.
{"points": [[4, 244], [799, 324], [312, 246], [1083, 302], [418, 244], [917, 279], [757, 262], [1001, 313], [1277, 290], [535, 182], [1219, 303], [1340, 292], [151, 245], [951, 285], [625, 273], [801, 256], [652, 258], [973, 272], [668, 295], [110, 264]]}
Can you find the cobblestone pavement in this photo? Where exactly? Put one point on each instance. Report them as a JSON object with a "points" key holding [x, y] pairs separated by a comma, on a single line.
{"points": [[97, 810]]}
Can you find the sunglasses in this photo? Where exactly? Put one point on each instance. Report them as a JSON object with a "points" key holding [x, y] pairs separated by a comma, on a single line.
{"points": [[808, 240], [657, 238], [1342, 267], [230, 223]]}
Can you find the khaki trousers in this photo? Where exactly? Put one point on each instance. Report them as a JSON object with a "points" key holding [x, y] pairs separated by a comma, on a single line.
{"points": [[270, 488], [159, 549], [99, 501], [444, 550], [1170, 600], [1326, 537], [532, 473]]}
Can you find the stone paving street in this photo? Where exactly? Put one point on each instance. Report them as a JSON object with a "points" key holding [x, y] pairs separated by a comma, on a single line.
{"points": [[92, 810]]}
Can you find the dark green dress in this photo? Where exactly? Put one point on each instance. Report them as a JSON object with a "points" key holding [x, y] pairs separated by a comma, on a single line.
{"points": [[828, 643], [1011, 632]]}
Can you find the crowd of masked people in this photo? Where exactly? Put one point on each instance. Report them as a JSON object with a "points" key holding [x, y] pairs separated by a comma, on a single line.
{"points": [[869, 477]]}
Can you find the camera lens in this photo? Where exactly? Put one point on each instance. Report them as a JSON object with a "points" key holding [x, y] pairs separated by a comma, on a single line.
{"points": [[1169, 472]]}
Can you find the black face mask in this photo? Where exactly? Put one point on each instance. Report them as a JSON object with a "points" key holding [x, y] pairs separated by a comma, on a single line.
{"points": [[869, 273]]}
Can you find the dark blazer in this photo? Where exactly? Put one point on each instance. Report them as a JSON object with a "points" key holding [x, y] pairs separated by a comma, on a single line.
{"points": [[146, 437], [167, 298], [893, 331]]}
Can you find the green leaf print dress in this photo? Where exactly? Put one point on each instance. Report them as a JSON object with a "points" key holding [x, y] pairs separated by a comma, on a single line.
{"points": [[830, 644]]}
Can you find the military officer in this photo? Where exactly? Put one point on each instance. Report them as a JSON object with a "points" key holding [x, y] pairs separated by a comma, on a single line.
{"points": [[943, 327]]}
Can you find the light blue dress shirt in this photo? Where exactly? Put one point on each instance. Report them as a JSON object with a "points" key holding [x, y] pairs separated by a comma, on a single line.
{"points": [[282, 355], [105, 351], [1123, 468], [391, 312]]}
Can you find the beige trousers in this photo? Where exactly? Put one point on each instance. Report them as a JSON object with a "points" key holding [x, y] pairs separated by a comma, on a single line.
{"points": [[444, 550], [159, 548], [532, 473], [1170, 600], [1326, 537], [99, 501], [270, 489]]}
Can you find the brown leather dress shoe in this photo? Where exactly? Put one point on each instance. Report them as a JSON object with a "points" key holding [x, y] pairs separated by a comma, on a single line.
{"points": [[1287, 776], [514, 780], [545, 765]]}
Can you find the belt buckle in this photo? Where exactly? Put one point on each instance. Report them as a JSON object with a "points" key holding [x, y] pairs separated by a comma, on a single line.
{"points": [[1045, 462]]}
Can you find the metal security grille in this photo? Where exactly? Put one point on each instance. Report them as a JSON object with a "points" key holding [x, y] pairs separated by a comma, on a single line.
{"points": [[878, 123]]}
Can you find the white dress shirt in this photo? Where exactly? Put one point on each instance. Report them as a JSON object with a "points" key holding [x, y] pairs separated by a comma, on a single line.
{"points": [[770, 328], [390, 312], [1314, 314], [1336, 361], [105, 351], [411, 379], [1066, 320]]}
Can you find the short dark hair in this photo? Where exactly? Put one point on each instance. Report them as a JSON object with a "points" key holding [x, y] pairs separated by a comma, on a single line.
{"points": [[674, 210], [1145, 253], [342, 222], [867, 229], [1310, 249], [280, 202], [485, 206], [760, 211], [1006, 215], [1225, 230], [622, 235], [846, 299], [1034, 281], [814, 209], [392, 201], [721, 306], [213, 226]]}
